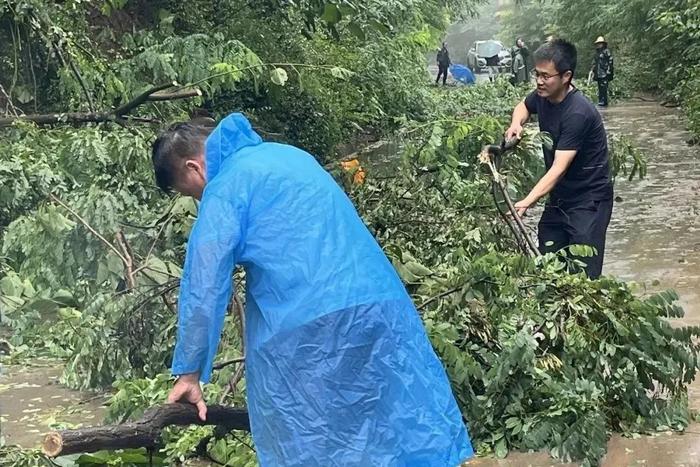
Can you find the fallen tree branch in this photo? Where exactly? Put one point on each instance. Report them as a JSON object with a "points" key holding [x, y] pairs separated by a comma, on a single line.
{"points": [[119, 114], [487, 156], [441, 295], [221, 365], [142, 433], [171, 96], [67, 117], [141, 98]]}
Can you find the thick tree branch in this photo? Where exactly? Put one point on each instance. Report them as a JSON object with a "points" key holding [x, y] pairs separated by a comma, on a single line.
{"points": [[171, 96], [68, 117], [117, 115], [140, 99], [144, 432]]}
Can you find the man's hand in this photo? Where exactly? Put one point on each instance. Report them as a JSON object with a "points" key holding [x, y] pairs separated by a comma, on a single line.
{"points": [[187, 389], [521, 207], [514, 132]]}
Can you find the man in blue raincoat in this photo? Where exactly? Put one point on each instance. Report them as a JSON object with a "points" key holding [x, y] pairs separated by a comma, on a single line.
{"points": [[339, 369]]}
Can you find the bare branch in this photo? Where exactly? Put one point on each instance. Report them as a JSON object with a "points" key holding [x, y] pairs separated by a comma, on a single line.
{"points": [[153, 245], [90, 228], [10, 105], [117, 115], [171, 96], [68, 117], [140, 99], [221, 365], [439, 296], [128, 260]]}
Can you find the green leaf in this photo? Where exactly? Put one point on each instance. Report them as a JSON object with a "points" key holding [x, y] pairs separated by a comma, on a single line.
{"points": [[357, 31], [11, 285], [340, 73], [115, 264], [331, 14], [279, 76], [501, 449]]}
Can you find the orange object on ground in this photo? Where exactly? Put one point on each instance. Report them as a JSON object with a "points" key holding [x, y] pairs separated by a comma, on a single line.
{"points": [[353, 166]]}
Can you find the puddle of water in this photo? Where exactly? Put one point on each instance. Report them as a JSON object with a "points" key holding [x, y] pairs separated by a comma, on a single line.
{"points": [[32, 402]]}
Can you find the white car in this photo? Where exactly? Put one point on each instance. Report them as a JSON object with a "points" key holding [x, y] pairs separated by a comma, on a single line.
{"points": [[491, 53]]}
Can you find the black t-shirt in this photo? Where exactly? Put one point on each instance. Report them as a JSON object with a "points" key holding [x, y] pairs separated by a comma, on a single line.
{"points": [[575, 125]]}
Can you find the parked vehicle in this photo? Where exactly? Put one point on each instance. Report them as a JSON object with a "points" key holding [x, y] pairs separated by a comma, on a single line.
{"points": [[490, 53]]}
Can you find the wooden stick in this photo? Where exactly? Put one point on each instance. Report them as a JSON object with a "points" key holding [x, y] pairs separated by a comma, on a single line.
{"points": [[142, 433], [486, 157]]}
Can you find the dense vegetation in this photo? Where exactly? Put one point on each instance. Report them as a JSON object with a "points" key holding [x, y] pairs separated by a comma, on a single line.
{"points": [[90, 252]]}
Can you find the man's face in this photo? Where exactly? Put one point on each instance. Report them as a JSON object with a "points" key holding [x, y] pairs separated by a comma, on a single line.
{"points": [[192, 178], [549, 81], [520, 43], [599, 45]]}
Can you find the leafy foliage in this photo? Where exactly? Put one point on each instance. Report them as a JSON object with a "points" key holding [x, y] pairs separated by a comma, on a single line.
{"points": [[90, 252]]}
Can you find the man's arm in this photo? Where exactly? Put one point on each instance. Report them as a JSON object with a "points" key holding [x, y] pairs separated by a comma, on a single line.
{"points": [[205, 290], [562, 161], [520, 116], [205, 287], [573, 132]]}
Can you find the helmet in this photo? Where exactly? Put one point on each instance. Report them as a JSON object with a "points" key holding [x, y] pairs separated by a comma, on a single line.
{"points": [[600, 40]]}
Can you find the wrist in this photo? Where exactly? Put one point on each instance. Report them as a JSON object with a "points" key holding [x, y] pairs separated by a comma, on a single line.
{"points": [[531, 200], [189, 377]]}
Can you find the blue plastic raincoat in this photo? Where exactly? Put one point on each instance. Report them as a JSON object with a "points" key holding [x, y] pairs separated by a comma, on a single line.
{"points": [[339, 370]]}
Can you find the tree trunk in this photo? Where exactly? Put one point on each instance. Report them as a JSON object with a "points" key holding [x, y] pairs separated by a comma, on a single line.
{"points": [[141, 433]]}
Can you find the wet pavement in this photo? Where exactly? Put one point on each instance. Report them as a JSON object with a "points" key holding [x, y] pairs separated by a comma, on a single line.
{"points": [[32, 403]]}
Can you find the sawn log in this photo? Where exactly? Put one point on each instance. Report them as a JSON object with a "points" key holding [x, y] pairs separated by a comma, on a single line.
{"points": [[141, 433]]}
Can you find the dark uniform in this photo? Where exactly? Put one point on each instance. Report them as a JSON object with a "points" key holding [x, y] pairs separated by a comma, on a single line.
{"points": [[603, 73], [521, 73], [580, 205], [443, 60]]}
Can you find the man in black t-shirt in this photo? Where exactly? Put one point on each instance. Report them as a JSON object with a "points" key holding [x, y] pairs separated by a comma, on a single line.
{"points": [[578, 173]]}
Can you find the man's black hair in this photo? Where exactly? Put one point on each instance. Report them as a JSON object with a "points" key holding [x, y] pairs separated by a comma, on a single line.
{"points": [[181, 141], [560, 52]]}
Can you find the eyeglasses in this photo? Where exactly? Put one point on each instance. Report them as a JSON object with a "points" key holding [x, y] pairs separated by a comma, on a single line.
{"points": [[544, 76]]}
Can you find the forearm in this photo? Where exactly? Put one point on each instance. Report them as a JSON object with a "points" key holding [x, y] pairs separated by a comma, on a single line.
{"points": [[520, 114], [545, 185]]}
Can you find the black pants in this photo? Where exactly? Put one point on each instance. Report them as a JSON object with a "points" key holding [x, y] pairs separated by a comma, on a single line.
{"points": [[602, 92], [582, 223], [442, 71]]}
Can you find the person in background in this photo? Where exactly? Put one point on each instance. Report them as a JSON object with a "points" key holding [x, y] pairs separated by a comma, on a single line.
{"points": [[519, 56], [603, 70], [577, 180], [443, 62]]}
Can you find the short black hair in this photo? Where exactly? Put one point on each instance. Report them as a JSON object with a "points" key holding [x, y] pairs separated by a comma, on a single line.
{"points": [[178, 143], [560, 52]]}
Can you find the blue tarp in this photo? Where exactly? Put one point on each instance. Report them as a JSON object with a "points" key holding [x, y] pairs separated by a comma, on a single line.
{"points": [[339, 370], [462, 74]]}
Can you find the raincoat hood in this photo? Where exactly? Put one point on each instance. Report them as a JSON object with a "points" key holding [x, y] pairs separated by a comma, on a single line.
{"points": [[231, 135]]}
